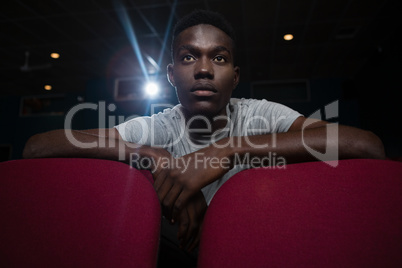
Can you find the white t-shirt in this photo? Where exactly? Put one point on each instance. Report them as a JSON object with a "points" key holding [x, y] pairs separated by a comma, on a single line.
{"points": [[168, 130]]}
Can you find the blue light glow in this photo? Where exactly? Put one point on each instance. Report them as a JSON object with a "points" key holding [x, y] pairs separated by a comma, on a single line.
{"points": [[151, 89], [125, 21], [151, 86]]}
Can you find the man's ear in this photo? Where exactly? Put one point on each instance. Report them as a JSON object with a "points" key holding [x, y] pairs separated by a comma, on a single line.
{"points": [[170, 77], [236, 78]]}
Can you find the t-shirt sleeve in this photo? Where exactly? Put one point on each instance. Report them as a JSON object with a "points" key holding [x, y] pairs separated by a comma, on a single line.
{"points": [[269, 117], [144, 130]]}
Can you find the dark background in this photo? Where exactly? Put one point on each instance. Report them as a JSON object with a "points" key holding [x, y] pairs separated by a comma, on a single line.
{"points": [[343, 50]]}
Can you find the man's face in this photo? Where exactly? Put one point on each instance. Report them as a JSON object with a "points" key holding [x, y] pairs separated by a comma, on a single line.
{"points": [[203, 71]]}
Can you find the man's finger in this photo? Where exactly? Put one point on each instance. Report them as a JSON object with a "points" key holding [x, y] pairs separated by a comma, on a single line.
{"points": [[196, 237], [164, 189], [159, 178], [183, 226], [169, 201], [195, 242], [162, 193], [179, 204]]}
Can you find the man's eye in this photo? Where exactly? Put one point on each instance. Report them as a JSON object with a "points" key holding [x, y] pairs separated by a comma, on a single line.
{"points": [[188, 58], [219, 59]]}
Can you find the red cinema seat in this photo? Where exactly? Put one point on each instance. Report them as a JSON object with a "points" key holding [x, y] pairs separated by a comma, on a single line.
{"points": [[77, 213], [307, 215]]}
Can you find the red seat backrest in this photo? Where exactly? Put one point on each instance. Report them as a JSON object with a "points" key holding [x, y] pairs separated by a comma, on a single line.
{"points": [[77, 213], [307, 215]]}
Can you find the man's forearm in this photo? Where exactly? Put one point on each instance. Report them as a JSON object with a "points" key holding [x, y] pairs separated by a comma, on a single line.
{"points": [[331, 142], [320, 143], [102, 144]]}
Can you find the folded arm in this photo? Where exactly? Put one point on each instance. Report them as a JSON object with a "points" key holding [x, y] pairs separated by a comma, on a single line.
{"points": [[92, 143], [108, 144], [305, 140]]}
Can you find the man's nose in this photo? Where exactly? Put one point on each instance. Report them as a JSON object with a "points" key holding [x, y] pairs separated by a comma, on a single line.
{"points": [[204, 69]]}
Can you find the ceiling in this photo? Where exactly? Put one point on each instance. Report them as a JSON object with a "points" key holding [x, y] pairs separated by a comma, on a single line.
{"points": [[332, 38]]}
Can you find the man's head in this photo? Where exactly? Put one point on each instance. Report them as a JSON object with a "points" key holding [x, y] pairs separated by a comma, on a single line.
{"points": [[204, 17], [203, 70]]}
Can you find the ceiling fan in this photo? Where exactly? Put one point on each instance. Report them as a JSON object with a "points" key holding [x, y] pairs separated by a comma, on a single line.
{"points": [[27, 68]]}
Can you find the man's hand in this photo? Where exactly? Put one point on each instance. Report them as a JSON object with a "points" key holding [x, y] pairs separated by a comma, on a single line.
{"points": [[165, 169], [162, 171], [190, 222], [178, 179]]}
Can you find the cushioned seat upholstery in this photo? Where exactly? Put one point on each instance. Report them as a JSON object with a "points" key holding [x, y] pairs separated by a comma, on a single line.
{"points": [[307, 215], [77, 213]]}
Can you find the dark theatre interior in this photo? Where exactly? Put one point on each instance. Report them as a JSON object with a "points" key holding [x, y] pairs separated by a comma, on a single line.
{"points": [[95, 56], [345, 50]]}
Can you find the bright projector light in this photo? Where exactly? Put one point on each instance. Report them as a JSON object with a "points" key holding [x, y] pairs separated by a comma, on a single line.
{"points": [[151, 89]]}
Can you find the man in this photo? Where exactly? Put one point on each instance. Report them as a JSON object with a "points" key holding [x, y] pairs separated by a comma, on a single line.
{"points": [[193, 148]]}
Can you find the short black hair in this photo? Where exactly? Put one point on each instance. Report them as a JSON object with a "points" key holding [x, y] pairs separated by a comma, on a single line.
{"points": [[200, 16]]}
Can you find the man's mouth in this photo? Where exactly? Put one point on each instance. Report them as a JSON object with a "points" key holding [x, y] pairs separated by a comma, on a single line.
{"points": [[203, 90]]}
